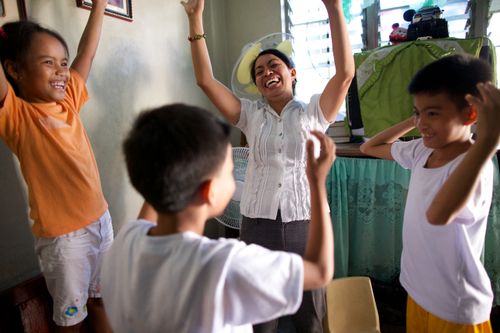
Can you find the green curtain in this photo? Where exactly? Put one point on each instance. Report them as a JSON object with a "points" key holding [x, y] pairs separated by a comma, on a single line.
{"points": [[492, 243], [367, 199]]}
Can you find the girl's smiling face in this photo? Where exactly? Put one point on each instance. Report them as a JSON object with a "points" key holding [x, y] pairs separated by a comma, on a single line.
{"points": [[273, 77], [44, 73]]}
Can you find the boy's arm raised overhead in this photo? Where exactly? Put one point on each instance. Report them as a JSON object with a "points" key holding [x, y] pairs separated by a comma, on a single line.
{"points": [[90, 39], [380, 145], [457, 189], [223, 98], [319, 256]]}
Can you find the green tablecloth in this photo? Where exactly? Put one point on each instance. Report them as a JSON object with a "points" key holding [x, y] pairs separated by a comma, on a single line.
{"points": [[367, 200]]}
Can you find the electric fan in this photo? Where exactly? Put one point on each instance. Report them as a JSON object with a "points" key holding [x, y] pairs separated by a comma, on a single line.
{"points": [[241, 79], [231, 217]]}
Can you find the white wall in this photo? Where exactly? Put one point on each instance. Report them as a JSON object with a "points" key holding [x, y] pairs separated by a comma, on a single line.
{"points": [[139, 65]]}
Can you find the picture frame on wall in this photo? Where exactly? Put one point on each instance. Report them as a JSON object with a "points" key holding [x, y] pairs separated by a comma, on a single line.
{"points": [[12, 10], [117, 8]]}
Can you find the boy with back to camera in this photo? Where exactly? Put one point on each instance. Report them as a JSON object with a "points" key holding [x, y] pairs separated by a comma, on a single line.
{"points": [[168, 277], [449, 194]]}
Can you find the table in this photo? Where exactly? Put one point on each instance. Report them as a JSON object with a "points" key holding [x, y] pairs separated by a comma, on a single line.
{"points": [[367, 200]]}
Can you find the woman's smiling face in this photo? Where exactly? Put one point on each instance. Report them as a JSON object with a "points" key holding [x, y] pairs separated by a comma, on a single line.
{"points": [[272, 76]]}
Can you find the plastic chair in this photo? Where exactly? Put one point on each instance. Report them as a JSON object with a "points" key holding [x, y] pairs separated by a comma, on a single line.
{"points": [[351, 306]]}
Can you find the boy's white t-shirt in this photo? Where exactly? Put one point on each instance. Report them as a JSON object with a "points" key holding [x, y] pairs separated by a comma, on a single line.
{"points": [[441, 266], [190, 283]]}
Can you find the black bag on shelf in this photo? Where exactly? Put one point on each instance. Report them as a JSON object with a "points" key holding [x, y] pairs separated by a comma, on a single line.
{"points": [[426, 22]]}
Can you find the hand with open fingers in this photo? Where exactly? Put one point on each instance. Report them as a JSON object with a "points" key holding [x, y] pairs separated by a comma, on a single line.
{"points": [[318, 168], [193, 7], [488, 112]]}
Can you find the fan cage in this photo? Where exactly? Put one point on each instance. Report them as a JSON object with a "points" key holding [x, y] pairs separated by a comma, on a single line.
{"points": [[231, 217]]}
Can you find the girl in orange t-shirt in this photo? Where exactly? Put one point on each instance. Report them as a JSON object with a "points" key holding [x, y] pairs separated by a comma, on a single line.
{"points": [[40, 100]]}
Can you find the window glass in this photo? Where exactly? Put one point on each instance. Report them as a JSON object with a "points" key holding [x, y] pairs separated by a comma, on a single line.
{"points": [[313, 54], [494, 35], [313, 57]]}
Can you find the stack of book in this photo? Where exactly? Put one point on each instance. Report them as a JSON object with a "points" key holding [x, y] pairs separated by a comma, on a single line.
{"points": [[339, 132]]}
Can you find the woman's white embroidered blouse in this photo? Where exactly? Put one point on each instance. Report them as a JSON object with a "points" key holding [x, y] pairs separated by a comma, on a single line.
{"points": [[276, 175]]}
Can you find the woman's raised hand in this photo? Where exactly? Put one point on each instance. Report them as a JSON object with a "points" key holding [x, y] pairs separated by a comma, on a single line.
{"points": [[193, 7], [329, 3]]}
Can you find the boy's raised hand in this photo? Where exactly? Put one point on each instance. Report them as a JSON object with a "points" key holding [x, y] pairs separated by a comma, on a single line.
{"points": [[193, 7], [488, 113], [318, 168]]}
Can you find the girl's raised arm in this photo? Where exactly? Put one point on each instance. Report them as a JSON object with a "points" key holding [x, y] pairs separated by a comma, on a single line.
{"points": [[336, 89], [222, 97], [90, 39]]}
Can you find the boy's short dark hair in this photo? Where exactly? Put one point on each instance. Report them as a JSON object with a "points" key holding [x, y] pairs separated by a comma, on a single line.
{"points": [[171, 150], [455, 75]]}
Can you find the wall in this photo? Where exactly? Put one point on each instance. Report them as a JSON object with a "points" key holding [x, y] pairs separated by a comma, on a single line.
{"points": [[139, 65]]}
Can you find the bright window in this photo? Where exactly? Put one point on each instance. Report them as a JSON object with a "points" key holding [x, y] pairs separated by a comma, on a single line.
{"points": [[308, 22], [313, 56], [494, 35]]}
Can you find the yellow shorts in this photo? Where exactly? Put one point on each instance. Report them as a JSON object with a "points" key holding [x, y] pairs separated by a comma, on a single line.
{"points": [[418, 320]]}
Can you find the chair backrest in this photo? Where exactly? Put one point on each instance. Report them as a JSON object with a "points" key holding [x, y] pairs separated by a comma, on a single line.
{"points": [[351, 306]]}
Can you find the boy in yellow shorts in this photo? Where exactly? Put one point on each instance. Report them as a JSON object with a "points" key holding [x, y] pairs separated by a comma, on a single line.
{"points": [[449, 194]]}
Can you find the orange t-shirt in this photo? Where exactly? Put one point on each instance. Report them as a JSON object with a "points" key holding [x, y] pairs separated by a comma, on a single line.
{"points": [[56, 160]]}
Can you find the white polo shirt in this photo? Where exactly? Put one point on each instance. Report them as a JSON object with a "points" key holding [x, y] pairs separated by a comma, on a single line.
{"points": [[276, 173]]}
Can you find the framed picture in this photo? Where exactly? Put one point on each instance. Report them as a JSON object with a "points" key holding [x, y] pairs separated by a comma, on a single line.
{"points": [[117, 8], [12, 10]]}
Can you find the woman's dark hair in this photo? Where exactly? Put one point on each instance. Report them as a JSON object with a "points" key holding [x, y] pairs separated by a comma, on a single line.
{"points": [[455, 75], [15, 41], [287, 60], [171, 151]]}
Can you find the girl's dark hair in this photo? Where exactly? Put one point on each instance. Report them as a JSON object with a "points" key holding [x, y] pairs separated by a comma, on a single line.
{"points": [[287, 60], [16, 39], [171, 151], [455, 75]]}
